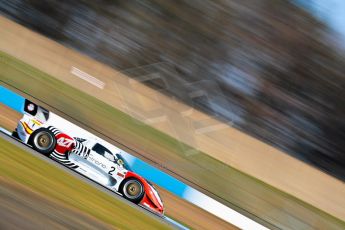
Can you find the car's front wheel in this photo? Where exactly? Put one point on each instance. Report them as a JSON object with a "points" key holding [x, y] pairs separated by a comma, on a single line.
{"points": [[133, 190], [43, 141]]}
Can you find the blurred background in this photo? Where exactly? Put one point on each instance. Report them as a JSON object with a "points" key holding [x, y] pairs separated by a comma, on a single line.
{"points": [[274, 68]]}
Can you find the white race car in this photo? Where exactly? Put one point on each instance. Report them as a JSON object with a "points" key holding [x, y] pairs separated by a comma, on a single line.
{"points": [[87, 157]]}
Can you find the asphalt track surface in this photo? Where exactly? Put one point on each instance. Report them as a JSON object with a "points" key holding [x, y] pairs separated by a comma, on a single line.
{"points": [[80, 177]]}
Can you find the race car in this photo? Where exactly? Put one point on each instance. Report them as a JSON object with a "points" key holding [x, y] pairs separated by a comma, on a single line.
{"points": [[87, 157]]}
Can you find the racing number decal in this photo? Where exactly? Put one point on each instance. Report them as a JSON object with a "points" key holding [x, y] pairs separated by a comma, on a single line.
{"points": [[111, 171], [64, 142]]}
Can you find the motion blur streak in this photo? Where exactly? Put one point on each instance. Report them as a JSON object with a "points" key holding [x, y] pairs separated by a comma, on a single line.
{"points": [[272, 70], [279, 67], [18, 212], [222, 180]]}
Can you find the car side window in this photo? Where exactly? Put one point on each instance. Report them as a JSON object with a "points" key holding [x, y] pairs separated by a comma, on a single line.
{"points": [[103, 151], [99, 149]]}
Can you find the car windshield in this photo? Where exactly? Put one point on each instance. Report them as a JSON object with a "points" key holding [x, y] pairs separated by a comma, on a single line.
{"points": [[101, 150], [117, 158]]}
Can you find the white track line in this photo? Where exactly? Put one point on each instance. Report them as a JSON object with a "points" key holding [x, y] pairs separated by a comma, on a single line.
{"points": [[220, 210], [87, 77]]}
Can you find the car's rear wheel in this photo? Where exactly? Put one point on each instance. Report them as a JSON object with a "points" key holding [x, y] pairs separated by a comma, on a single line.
{"points": [[43, 141], [133, 190]]}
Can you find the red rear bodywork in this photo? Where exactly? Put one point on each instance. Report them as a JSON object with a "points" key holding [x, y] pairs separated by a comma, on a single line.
{"points": [[151, 199]]}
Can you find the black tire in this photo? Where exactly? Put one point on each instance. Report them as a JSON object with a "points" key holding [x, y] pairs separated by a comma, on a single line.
{"points": [[43, 141], [132, 189]]}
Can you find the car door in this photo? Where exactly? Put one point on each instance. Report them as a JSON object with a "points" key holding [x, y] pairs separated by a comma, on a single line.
{"points": [[94, 166]]}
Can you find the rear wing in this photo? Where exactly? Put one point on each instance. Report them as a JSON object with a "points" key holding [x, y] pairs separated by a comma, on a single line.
{"points": [[36, 111]]}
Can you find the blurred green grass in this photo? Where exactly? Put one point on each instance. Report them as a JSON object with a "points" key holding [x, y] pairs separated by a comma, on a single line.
{"points": [[60, 186], [244, 193]]}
